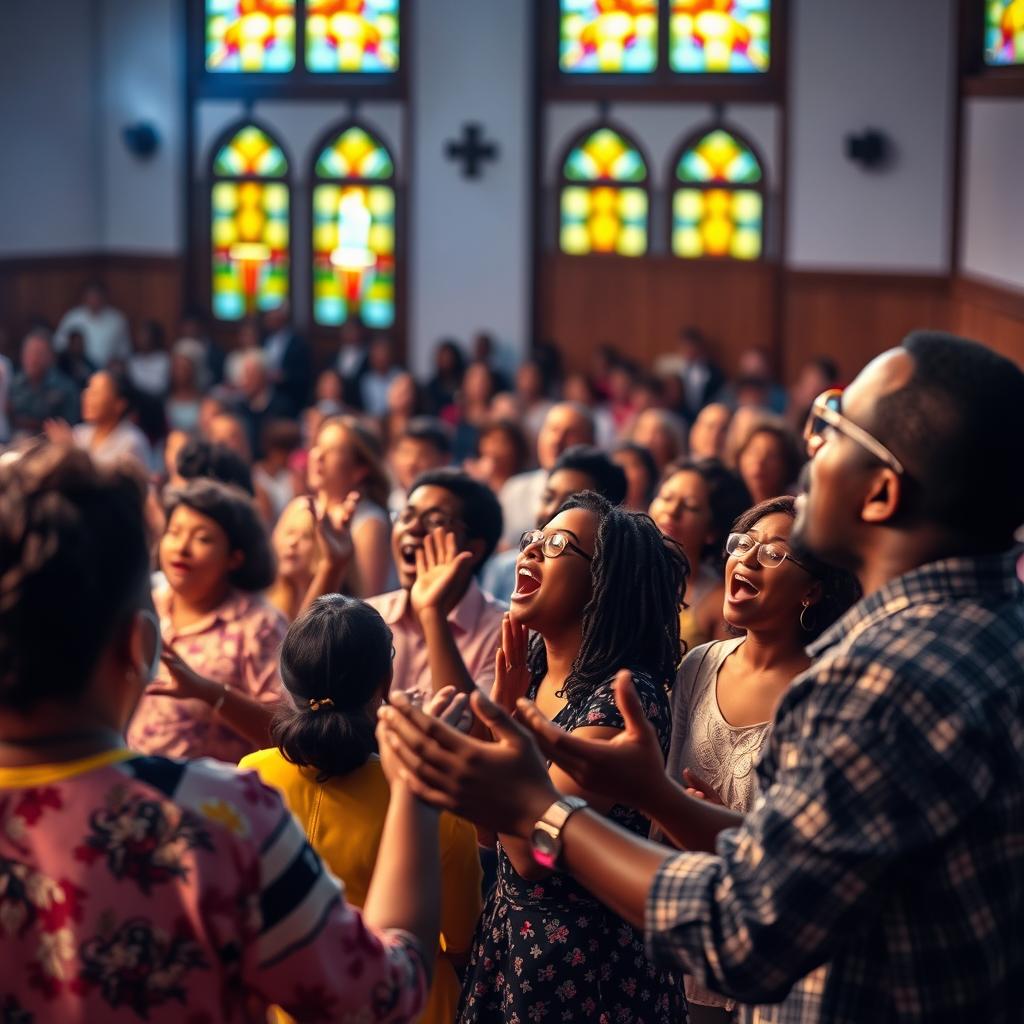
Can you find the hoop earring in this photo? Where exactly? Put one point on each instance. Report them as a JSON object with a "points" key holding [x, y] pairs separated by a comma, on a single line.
{"points": [[803, 624]]}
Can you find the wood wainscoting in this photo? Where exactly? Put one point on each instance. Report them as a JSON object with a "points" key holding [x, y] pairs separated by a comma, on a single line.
{"points": [[44, 288], [640, 305]]}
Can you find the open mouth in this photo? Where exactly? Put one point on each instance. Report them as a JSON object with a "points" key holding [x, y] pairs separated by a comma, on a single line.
{"points": [[742, 588], [527, 582], [407, 552]]}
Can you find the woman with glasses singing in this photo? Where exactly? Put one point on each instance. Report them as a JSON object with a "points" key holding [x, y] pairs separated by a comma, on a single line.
{"points": [[726, 693], [600, 589]]}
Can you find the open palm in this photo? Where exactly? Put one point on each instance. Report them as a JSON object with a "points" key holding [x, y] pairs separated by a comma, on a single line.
{"points": [[442, 572], [511, 674]]}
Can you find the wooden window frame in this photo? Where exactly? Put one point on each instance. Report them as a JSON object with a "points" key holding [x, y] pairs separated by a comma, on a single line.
{"points": [[976, 77]]}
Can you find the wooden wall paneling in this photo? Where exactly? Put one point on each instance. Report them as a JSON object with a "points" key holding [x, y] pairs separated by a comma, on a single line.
{"points": [[853, 317], [639, 305], [990, 314]]}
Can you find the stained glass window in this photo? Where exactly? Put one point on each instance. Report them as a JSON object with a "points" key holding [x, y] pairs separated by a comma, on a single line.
{"points": [[1004, 32], [608, 36], [354, 231], [603, 203], [249, 225], [719, 210], [250, 35], [720, 36], [354, 36]]}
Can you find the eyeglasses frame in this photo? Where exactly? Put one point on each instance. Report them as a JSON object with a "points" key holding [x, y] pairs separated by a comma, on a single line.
{"points": [[524, 544], [821, 410], [758, 545]]}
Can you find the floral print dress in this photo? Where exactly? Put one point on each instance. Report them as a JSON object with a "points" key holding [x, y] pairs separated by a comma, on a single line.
{"points": [[145, 889], [547, 950]]}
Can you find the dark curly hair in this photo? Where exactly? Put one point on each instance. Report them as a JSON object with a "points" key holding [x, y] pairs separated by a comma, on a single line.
{"points": [[840, 590], [74, 562], [233, 511], [632, 618], [338, 650]]}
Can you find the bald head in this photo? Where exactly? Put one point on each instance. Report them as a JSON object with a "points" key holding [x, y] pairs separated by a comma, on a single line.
{"points": [[566, 424]]}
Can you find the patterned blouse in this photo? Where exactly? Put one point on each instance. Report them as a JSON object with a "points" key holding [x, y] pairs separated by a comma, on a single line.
{"points": [[144, 889], [238, 644]]}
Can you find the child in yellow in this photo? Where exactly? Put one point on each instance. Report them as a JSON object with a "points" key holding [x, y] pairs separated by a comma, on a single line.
{"points": [[336, 664]]}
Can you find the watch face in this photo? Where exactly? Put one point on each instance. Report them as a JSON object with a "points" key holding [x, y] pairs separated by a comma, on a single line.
{"points": [[545, 847]]}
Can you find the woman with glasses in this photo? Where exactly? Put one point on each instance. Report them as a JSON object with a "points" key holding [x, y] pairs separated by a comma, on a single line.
{"points": [[600, 590], [726, 693], [137, 888], [336, 665]]}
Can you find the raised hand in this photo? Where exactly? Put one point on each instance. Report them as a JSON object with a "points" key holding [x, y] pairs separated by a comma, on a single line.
{"points": [[58, 431], [184, 684], [333, 536], [624, 768], [442, 572], [468, 776], [700, 788], [511, 675]]}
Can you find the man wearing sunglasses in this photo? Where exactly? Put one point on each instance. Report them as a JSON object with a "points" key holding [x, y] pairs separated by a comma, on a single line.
{"points": [[879, 877]]}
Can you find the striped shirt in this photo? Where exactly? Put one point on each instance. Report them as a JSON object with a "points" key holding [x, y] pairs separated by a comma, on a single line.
{"points": [[142, 888], [881, 876]]}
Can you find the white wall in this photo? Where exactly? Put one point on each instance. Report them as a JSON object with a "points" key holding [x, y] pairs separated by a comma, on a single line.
{"points": [[49, 174], [142, 63], [470, 237], [881, 64], [992, 239]]}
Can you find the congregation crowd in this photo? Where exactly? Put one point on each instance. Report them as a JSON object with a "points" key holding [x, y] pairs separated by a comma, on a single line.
{"points": [[513, 694]]}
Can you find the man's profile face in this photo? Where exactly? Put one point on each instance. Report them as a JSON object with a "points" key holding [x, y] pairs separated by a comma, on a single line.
{"points": [[829, 521]]}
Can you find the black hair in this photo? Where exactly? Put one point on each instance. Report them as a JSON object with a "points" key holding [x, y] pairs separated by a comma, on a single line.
{"points": [[234, 512], [826, 366], [650, 466], [840, 590], [480, 509], [199, 458], [337, 651], [430, 430], [74, 562], [632, 619], [728, 497], [123, 389], [514, 433], [958, 426], [792, 454], [451, 346], [609, 478]]}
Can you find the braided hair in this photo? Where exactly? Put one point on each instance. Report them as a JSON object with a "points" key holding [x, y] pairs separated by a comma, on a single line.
{"points": [[638, 582], [74, 561]]}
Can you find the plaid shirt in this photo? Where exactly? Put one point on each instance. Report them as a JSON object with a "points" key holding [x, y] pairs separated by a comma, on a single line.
{"points": [[880, 878]]}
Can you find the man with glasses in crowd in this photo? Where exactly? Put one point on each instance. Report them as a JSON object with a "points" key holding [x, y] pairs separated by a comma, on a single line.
{"points": [[880, 876], [446, 629]]}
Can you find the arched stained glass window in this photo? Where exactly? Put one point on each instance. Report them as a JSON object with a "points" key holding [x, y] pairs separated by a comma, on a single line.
{"points": [[354, 230], [352, 36], [1004, 32], [720, 36], [250, 35], [603, 202], [608, 37], [249, 224], [719, 209]]}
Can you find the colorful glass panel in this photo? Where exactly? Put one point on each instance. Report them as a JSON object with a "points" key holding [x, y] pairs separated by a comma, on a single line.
{"points": [[717, 222], [354, 254], [352, 36], [719, 157], [604, 219], [250, 35], [355, 154], [250, 151], [608, 37], [250, 247], [720, 36], [605, 156], [1004, 32]]}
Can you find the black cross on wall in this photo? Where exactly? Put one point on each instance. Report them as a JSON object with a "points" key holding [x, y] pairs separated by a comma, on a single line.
{"points": [[471, 150]]}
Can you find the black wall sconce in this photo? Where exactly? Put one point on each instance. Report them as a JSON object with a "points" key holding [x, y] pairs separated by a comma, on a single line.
{"points": [[871, 149], [141, 139]]}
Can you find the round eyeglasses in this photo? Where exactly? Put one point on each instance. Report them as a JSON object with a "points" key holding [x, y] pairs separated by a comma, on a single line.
{"points": [[771, 556], [551, 544]]}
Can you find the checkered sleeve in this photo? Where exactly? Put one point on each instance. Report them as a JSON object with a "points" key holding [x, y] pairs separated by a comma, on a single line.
{"points": [[872, 770]]}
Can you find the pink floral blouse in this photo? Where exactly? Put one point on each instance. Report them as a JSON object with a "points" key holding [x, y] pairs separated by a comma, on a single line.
{"points": [[144, 889], [238, 644]]}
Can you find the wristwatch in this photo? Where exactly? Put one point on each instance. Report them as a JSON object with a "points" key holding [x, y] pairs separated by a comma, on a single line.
{"points": [[546, 837]]}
